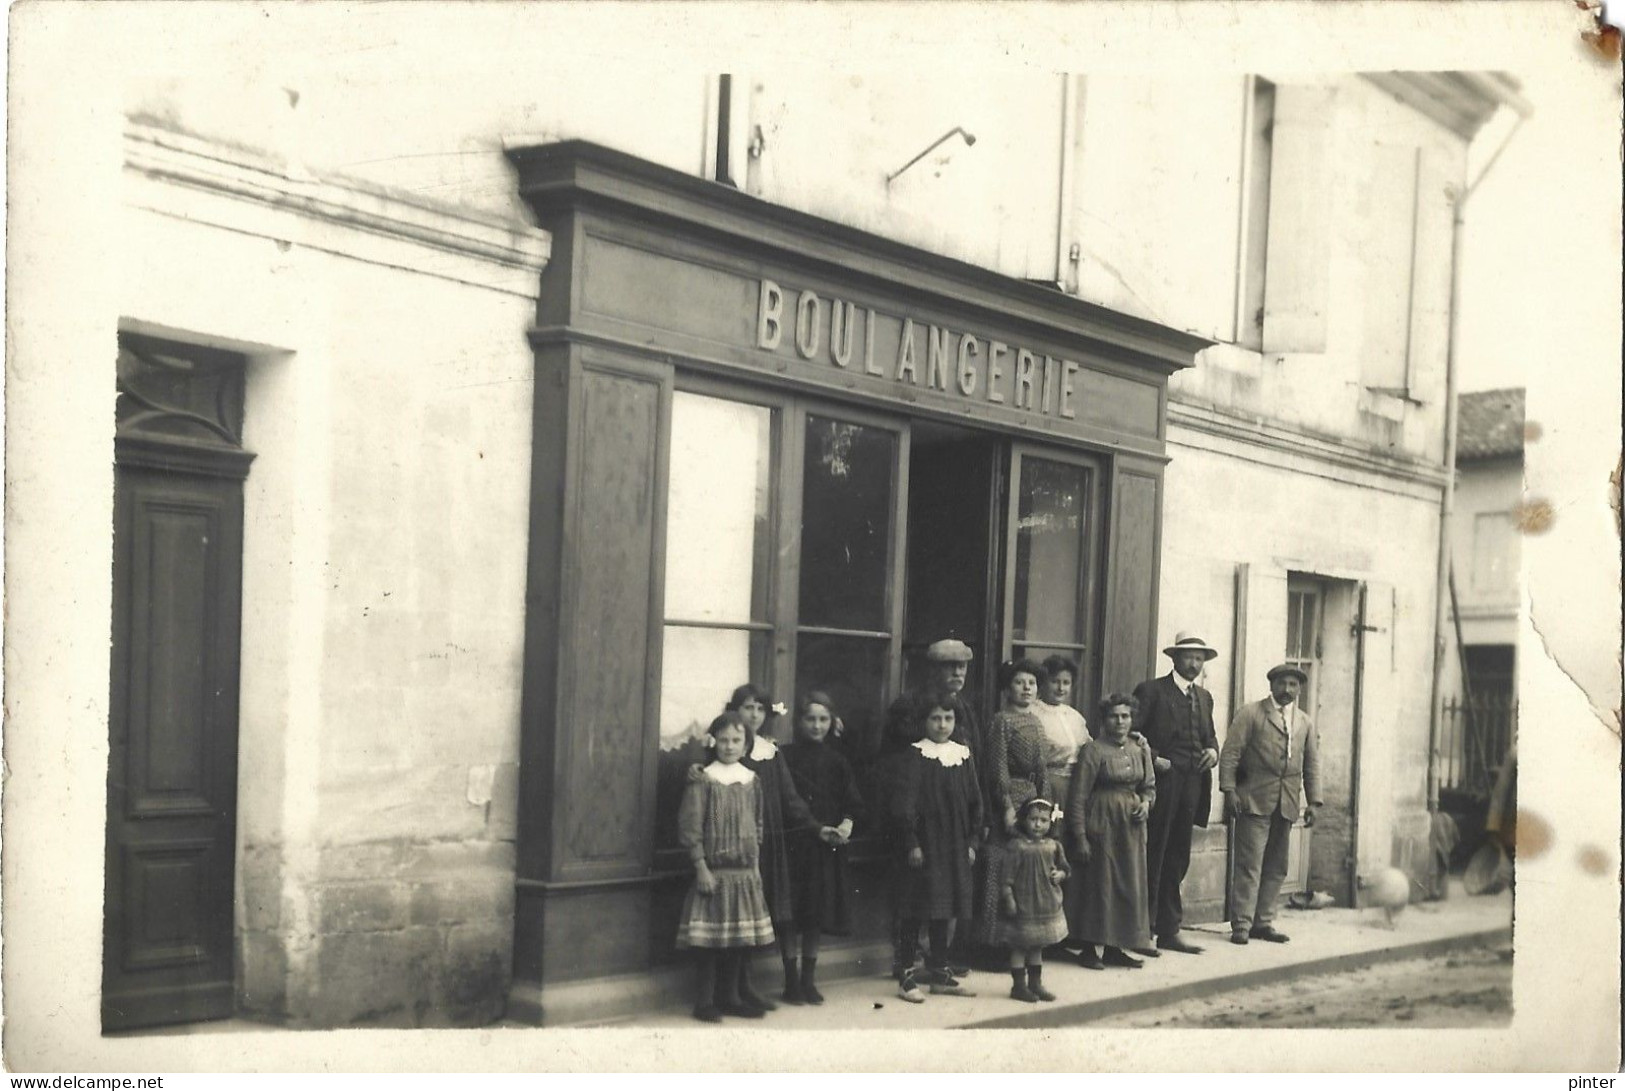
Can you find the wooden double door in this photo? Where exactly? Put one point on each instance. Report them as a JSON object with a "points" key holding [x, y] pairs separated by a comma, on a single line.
{"points": [[172, 768]]}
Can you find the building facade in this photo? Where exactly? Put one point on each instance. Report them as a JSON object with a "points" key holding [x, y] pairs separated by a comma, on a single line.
{"points": [[552, 416]]}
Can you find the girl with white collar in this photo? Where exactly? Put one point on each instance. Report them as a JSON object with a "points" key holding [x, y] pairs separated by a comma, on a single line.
{"points": [[937, 820], [725, 914]]}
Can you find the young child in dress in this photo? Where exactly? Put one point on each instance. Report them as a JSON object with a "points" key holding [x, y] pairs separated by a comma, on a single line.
{"points": [[725, 913], [819, 886], [1014, 750], [1034, 869], [936, 819], [785, 815]]}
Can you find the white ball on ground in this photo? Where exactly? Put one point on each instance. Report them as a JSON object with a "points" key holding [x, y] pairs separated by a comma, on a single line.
{"points": [[1390, 888]]}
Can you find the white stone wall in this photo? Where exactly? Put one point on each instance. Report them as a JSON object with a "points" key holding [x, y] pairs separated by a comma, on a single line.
{"points": [[386, 515], [1489, 609]]}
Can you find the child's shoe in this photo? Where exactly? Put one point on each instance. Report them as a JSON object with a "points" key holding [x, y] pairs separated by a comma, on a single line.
{"points": [[1022, 993], [1035, 983], [809, 991], [792, 982]]}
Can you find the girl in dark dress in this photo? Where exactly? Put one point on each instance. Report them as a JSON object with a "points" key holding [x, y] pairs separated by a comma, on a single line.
{"points": [[819, 887], [784, 815], [936, 820]]}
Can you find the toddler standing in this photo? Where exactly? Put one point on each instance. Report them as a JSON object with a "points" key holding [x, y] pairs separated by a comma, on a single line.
{"points": [[1034, 869]]}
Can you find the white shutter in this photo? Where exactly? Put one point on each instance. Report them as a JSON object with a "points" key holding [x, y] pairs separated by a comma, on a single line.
{"points": [[1430, 278], [1297, 267], [1260, 639]]}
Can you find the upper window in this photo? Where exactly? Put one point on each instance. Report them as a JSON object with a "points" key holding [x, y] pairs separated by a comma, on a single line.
{"points": [[1492, 552]]}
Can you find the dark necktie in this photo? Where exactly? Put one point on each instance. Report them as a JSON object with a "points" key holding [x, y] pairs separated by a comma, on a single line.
{"points": [[1196, 709]]}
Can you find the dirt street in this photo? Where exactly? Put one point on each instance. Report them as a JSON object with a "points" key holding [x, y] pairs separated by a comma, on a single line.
{"points": [[1470, 988]]}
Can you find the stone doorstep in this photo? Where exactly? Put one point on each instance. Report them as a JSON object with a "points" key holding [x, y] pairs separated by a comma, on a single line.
{"points": [[622, 998]]}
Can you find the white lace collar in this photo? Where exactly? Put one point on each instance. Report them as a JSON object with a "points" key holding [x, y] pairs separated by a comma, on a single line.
{"points": [[947, 754], [729, 774], [764, 749]]}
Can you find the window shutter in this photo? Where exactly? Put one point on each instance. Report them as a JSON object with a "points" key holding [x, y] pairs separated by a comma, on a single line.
{"points": [[1430, 277], [1298, 262], [1260, 639]]}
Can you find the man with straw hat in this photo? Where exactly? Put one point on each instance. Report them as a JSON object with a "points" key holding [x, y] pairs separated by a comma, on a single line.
{"points": [[1176, 719]]}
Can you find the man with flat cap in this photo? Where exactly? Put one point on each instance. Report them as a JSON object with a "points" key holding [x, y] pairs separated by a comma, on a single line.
{"points": [[948, 662], [1270, 764], [948, 666], [1176, 719]]}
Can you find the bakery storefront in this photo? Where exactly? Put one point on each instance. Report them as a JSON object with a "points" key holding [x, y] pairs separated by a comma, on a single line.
{"points": [[769, 447]]}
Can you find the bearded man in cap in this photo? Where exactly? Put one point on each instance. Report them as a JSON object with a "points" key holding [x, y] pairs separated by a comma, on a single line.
{"points": [[948, 662], [948, 665], [1271, 761], [1176, 719]]}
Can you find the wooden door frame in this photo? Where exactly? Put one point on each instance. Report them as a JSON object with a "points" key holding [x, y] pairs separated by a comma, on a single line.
{"points": [[1098, 467]]}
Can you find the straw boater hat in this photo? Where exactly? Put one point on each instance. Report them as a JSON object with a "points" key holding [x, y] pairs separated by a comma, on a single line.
{"points": [[949, 651], [1189, 642], [1288, 668]]}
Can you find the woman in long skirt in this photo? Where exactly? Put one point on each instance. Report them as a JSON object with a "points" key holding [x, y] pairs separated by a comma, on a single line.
{"points": [[1113, 788]]}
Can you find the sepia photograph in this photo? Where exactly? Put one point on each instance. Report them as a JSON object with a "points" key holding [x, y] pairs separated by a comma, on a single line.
{"points": [[601, 530]]}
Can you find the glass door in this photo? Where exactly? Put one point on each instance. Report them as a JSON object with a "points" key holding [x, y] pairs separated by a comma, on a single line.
{"points": [[849, 603], [1050, 579]]}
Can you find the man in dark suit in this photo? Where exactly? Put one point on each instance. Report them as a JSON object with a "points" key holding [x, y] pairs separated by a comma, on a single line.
{"points": [[1176, 718]]}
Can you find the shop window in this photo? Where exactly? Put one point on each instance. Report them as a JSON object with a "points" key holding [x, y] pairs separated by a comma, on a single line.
{"points": [[718, 631], [845, 633]]}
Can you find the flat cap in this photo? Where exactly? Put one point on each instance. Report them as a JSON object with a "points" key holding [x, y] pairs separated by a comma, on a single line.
{"points": [[949, 651], [1288, 668]]}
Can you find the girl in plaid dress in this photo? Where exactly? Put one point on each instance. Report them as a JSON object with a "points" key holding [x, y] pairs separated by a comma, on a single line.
{"points": [[1030, 901], [725, 913]]}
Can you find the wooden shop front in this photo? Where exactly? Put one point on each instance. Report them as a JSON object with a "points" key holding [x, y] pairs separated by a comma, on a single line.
{"points": [[770, 447]]}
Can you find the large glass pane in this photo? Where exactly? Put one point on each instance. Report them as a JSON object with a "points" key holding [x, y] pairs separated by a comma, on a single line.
{"points": [[846, 520], [852, 670], [699, 669], [718, 510], [1050, 573]]}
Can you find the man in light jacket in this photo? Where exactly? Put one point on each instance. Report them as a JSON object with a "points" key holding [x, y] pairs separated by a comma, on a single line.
{"points": [[1269, 764]]}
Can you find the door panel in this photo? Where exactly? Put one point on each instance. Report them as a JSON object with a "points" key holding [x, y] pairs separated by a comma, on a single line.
{"points": [[172, 773], [1052, 531]]}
